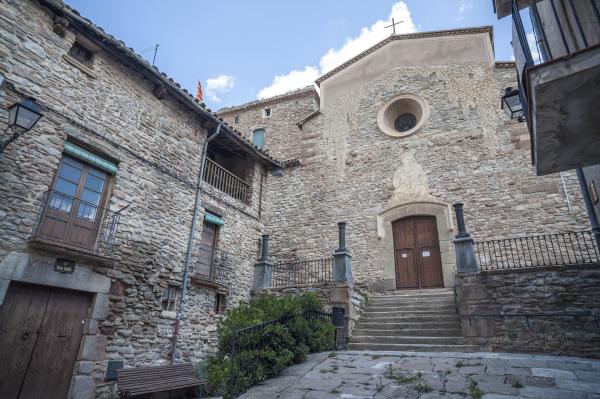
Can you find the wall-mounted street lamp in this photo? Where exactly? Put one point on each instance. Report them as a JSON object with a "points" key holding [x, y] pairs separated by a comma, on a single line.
{"points": [[511, 104], [22, 117]]}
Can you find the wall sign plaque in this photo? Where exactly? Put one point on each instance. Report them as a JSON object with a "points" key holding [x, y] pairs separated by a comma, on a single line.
{"points": [[64, 266]]}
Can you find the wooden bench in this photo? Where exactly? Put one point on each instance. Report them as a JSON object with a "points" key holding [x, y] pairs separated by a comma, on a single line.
{"points": [[145, 380]]}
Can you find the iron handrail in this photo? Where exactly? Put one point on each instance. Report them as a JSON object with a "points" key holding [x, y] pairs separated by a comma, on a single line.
{"points": [[310, 271], [237, 347], [560, 249]]}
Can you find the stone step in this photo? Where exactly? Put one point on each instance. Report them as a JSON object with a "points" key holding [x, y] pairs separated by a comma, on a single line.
{"points": [[413, 332], [416, 318], [410, 301], [412, 347], [425, 311], [415, 294], [456, 340], [398, 326]]}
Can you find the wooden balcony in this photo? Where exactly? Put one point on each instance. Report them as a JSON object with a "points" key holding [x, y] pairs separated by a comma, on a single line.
{"points": [[74, 227], [225, 181], [559, 82]]}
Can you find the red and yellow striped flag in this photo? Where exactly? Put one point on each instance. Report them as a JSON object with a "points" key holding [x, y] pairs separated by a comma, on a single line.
{"points": [[199, 91]]}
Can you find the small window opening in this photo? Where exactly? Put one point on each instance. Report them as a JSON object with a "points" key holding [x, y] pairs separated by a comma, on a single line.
{"points": [[258, 138], [267, 112], [219, 303], [81, 54], [236, 119], [169, 298]]}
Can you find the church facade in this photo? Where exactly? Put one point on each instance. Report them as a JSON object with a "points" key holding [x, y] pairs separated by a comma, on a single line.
{"points": [[395, 137], [103, 238]]}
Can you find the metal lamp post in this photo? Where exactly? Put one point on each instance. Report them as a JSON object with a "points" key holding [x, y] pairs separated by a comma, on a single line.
{"points": [[22, 117], [511, 104]]}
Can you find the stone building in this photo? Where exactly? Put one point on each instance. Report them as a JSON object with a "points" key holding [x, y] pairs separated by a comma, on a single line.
{"points": [[401, 132], [97, 202], [96, 206]]}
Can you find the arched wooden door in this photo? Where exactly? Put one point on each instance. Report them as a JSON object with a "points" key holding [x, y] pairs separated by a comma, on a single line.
{"points": [[417, 253]]}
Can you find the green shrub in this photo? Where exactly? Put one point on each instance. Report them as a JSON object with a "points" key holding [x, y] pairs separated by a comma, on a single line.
{"points": [[269, 349]]}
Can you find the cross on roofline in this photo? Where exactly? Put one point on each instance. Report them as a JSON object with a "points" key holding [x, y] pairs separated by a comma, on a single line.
{"points": [[393, 25]]}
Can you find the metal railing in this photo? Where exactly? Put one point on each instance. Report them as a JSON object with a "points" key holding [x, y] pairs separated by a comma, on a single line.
{"points": [[225, 181], [70, 221], [561, 249], [302, 272], [246, 342], [210, 264]]}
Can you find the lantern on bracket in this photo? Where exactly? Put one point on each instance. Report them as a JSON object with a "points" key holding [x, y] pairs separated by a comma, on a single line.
{"points": [[511, 104]]}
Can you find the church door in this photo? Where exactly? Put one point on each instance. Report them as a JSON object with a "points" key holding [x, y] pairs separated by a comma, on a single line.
{"points": [[417, 253]]}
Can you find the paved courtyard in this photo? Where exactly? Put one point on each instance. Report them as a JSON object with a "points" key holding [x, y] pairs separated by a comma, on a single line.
{"points": [[434, 375]]}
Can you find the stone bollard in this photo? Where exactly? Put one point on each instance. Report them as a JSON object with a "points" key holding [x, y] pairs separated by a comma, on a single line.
{"points": [[342, 260], [263, 269], [464, 245]]}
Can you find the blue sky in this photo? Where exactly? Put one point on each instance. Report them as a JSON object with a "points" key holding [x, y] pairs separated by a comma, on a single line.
{"points": [[242, 50]]}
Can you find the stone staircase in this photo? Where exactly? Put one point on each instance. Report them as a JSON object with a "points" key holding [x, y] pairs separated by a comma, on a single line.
{"points": [[420, 321]]}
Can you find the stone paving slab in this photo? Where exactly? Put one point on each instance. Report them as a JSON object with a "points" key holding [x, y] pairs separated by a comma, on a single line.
{"points": [[409, 375]]}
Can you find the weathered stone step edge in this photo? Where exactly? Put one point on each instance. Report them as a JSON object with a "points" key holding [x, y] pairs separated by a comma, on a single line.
{"points": [[396, 311], [427, 332], [444, 294], [400, 325], [391, 319], [413, 348], [415, 291], [411, 307], [456, 340]]}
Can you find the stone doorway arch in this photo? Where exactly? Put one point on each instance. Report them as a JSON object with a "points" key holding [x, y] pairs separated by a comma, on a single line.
{"points": [[445, 225]]}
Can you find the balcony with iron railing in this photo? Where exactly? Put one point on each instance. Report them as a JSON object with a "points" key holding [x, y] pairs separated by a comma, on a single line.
{"points": [[557, 53], [75, 227], [210, 267], [225, 181]]}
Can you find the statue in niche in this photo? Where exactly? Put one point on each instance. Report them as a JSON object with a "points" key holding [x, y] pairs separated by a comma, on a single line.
{"points": [[410, 181]]}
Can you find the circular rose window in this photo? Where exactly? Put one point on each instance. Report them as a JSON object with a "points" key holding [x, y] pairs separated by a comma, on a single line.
{"points": [[402, 115]]}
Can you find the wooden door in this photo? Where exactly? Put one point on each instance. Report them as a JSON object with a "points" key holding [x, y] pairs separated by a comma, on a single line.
{"points": [[417, 253], [73, 214], [206, 249], [40, 333]]}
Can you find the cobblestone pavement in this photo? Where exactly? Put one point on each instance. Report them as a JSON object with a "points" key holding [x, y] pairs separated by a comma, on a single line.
{"points": [[361, 375]]}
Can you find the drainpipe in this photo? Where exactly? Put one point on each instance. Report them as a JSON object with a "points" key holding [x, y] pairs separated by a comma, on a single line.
{"points": [[188, 256]]}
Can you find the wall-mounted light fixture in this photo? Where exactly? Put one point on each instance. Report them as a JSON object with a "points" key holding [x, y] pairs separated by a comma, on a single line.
{"points": [[22, 117], [511, 104]]}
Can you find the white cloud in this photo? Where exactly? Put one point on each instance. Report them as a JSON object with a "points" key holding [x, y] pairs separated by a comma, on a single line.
{"points": [[292, 80], [462, 9], [219, 85], [368, 37]]}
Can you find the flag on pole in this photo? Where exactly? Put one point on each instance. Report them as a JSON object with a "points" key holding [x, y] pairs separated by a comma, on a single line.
{"points": [[199, 91]]}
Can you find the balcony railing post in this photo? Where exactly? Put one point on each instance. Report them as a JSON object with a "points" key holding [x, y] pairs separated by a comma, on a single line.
{"points": [[464, 245], [342, 260], [263, 269]]}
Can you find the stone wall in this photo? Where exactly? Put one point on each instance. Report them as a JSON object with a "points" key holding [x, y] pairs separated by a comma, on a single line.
{"points": [[157, 145], [468, 151], [545, 290], [281, 128]]}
